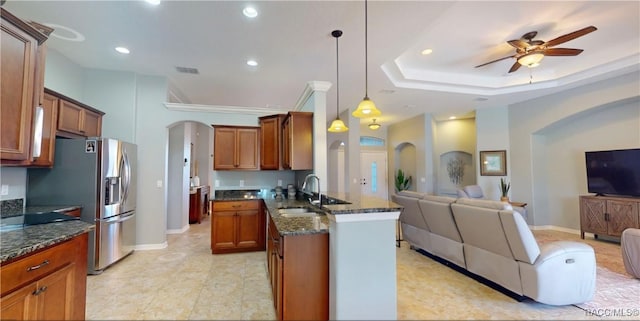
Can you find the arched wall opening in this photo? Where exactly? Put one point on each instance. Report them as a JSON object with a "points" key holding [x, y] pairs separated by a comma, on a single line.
{"points": [[405, 160]]}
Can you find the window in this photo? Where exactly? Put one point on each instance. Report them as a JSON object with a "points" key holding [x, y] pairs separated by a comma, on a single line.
{"points": [[371, 141]]}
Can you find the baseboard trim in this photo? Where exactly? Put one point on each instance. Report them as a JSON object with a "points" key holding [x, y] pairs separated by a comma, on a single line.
{"points": [[554, 228], [146, 247], [178, 231]]}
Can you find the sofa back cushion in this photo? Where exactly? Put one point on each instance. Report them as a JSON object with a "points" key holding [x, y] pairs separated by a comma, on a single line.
{"points": [[523, 245], [411, 194], [411, 212], [496, 205], [436, 211], [482, 228]]}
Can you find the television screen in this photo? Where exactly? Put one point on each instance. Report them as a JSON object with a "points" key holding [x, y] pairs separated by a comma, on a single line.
{"points": [[615, 172]]}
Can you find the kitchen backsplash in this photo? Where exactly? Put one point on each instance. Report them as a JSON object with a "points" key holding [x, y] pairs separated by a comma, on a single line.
{"points": [[11, 206]]}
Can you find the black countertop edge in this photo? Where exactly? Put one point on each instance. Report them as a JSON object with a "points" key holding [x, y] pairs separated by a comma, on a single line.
{"points": [[20, 242]]}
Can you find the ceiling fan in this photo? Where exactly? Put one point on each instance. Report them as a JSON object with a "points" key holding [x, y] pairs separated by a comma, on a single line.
{"points": [[529, 52]]}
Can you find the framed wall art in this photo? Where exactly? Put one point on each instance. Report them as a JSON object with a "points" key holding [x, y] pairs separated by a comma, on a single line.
{"points": [[493, 163]]}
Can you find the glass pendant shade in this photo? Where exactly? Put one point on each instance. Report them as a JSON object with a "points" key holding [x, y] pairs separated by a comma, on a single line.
{"points": [[366, 108], [338, 126], [531, 59]]}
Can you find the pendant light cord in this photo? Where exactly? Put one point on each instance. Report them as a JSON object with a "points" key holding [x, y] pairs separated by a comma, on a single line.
{"points": [[337, 82], [366, 68]]}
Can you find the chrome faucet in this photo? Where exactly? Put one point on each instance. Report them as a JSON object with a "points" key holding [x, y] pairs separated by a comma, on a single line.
{"points": [[304, 185]]}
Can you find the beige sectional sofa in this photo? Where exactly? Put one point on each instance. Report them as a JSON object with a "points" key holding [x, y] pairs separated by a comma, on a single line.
{"points": [[490, 240]]}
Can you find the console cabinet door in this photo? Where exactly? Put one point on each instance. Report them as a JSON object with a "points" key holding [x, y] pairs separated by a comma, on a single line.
{"points": [[621, 215], [592, 216]]}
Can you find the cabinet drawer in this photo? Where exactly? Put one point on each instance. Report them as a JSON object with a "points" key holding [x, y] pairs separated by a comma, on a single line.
{"points": [[236, 205], [34, 266]]}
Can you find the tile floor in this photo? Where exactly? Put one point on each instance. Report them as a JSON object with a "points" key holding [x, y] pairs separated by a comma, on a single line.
{"points": [[186, 282]]}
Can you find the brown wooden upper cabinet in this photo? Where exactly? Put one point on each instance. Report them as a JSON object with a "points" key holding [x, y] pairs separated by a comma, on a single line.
{"points": [[297, 141], [78, 120], [22, 60], [235, 148], [271, 141]]}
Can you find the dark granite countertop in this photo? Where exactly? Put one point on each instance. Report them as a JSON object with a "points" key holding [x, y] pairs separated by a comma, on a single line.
{"points": [[19, 242], [38, 210], [309, 225]]}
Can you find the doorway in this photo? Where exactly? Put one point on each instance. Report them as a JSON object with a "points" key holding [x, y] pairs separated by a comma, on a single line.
{"points": [[373, 174]]}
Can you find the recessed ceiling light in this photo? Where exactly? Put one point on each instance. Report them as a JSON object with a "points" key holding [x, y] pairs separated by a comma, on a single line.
{"points": [[122, 50], [452, 117], [250, 12], [153, 2], [426, 52], [252, 63]]}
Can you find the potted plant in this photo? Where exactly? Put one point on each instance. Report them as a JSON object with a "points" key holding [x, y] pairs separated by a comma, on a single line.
{"points": [[402, 182], [504, 189]]}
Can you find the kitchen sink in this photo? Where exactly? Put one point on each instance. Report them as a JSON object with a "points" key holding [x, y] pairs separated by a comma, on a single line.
{"points": [[298, 212]]}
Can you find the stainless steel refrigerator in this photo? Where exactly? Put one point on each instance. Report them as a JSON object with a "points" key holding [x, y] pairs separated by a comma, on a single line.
{"points": [[98, 174]]}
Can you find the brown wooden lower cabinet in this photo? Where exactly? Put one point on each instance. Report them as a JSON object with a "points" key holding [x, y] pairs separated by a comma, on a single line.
{"points": [[237, 226], [47, 285], [606, 215], [299, 273]]}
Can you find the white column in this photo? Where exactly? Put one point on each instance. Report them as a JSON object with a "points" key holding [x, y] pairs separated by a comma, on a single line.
{"points": [[362, 268]]}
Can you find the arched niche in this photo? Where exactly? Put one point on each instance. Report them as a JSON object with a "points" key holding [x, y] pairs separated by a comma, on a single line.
{"points": [[405, 159], [456, 171]]}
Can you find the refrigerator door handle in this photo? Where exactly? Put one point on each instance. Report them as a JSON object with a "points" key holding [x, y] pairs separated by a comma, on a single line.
{"points": [[119, 219], [126, 176]]}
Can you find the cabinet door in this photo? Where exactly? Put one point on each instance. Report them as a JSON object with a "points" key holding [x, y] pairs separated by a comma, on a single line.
{"points": [[55, 295], [92, 124], [223, 230], [270, 137], [19, 305], [224, 145], [286, 143], [50, 117], [249, 229], [247, 148], [622, 214], [592, 215], [70, 118], [279, 288], [18, 60]]}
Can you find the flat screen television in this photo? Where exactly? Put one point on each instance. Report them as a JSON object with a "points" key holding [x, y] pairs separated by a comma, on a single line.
{"points": [[613, 172]]}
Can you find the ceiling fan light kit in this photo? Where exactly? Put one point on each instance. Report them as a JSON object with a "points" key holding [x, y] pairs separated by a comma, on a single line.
{"points": [[337, 125], [530, 52], [366, 108], [531, 59]]}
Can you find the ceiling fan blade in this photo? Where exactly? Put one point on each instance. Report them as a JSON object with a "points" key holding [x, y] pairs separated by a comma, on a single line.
{"points": [[570, 36], [518, 44], [490, 62], [515, 67], [562, 52]]}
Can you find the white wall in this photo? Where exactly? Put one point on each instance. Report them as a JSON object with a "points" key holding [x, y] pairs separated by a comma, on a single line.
{"points": [[492, 128], [63, 76], [419, 132], [15, 178], [178, 205], [457, 135], [533, 126]]}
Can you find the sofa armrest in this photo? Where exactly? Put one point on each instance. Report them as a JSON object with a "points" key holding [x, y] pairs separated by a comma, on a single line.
{"points": [[564, 273]]}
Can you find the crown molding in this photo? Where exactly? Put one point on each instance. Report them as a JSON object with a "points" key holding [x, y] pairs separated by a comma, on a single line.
{"points": [[262, 111], [310, 88]]}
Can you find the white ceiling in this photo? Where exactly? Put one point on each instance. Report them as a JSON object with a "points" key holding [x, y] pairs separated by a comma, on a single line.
{"points": [[291, 40]]}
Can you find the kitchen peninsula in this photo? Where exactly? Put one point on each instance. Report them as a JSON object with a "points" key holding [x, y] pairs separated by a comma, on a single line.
{"points": [[336, 263], [43, 272]]}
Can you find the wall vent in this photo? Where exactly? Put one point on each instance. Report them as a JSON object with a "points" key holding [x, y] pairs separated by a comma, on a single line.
{"points": [[187, 70]]}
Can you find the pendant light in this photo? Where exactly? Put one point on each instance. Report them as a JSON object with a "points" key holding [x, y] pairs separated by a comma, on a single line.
{"points": [[374, 125], [366, 108], [337, 126]]}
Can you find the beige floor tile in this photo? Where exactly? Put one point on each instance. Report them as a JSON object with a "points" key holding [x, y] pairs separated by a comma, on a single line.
{"points": [[185, 281]]}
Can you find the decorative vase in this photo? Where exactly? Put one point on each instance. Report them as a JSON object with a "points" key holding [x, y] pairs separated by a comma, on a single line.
{"points": [[504, 199]]}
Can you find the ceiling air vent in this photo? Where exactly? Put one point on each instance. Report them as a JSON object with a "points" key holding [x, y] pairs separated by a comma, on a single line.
{"points": [[187, 70]]}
